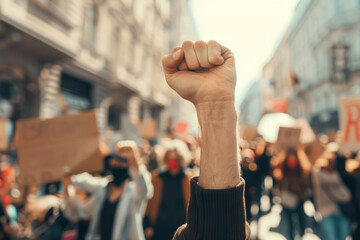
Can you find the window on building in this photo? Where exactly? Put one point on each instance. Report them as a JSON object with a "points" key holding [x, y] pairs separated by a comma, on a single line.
{"points": [[7, 90], [90, 20], [114, 120], [50, 4], [56, 8], [77, 93]]}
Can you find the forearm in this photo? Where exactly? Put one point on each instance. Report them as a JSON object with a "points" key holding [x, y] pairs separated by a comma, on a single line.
{"points": [[219, 161]]}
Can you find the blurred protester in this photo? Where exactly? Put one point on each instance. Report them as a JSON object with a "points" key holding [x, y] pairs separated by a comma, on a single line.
{"points": [[250, 175], [291, 170], [329, 191], [45, 217], [166, 211], [5, 228], [116, 208], [78, 207], [353, 168], [149, 155], [263, 155]]}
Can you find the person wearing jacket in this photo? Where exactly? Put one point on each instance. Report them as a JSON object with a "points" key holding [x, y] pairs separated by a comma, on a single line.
{"points": [[116, 207], [328, 192], [167, 209], [291, 172], [204, 74]]}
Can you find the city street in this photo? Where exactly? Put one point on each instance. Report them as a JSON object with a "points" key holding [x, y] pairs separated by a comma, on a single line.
{"points": [[179, 119], [273, 226]]}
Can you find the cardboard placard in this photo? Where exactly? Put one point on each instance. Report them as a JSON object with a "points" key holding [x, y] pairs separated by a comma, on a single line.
{"points": [[148, 129], [3, 135], [53, 148], [349, 120], [288, 138]]}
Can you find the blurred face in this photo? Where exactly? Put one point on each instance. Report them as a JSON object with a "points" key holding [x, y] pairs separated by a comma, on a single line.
{"points": [[172, 161], [292, 161], [119, 171], [114, 163], [172, 154]]}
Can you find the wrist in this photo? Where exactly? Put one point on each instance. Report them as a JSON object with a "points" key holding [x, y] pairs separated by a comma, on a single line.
{"points": [[219, 162], [222, 111]]}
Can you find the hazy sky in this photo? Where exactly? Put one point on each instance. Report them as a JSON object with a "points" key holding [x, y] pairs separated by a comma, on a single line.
{"points": [[250, 28]]}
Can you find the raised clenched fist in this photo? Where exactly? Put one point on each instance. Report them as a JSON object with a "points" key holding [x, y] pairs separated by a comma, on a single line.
{"points": [[201, 72]]}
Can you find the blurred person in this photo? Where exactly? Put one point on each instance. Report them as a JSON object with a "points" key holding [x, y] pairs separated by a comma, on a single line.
{"points": [[329, 190], [149, 155], [78, 204], [263, 154], [204, 74], [115, 211], [291, 172], [5, 228], [166, 211], [250, 175], [353, 169]]}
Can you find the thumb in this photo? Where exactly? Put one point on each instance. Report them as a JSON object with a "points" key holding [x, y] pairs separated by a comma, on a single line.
{"points": [[172, 61]]}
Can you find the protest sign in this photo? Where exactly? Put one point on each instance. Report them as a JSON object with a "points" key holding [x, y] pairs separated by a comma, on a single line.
{"points": [[349, 120], [148, 129], [53, 148], [288, 138], [3, 135]]}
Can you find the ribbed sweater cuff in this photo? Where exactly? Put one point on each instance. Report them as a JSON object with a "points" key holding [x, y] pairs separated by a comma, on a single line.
{"points": [[217, 214]]}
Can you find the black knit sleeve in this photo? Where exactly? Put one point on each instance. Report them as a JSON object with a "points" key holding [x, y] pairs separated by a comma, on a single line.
{"points": [[215, 214]]}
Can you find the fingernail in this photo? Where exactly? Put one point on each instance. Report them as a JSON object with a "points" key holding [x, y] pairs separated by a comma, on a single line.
{"points": [[176, 54]]}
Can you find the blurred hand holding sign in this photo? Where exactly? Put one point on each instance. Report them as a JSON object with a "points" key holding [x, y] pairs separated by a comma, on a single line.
{"points": [[288, 138], [148, 129], [349, 115], [53, 148]]}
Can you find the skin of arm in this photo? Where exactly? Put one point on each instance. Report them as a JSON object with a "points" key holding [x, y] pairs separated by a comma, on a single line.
{"points": [[204, 74]]}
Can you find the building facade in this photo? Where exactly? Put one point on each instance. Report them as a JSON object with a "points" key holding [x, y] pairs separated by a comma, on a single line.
{"points": [[322, 36], [61, 57], [250, 111]]}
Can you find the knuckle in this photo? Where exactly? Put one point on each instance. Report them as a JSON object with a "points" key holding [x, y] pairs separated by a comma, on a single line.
{"points": [[200, 44], [187, 44], [213, 59], [213, 42]]}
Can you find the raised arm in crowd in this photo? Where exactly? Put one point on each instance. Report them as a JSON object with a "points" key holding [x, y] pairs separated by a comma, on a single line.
{"points": [[204, 74]]}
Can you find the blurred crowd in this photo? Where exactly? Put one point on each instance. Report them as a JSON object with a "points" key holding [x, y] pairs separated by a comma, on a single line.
{"points": [[320, 173], [142, 193], [144, 190]]}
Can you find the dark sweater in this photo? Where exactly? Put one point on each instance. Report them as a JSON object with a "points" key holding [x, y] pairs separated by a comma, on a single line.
{"points": [[172, 211], [215, 214]]}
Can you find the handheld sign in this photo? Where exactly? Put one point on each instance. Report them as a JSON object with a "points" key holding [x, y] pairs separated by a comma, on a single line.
{"points": [[349, 116], [53, 148], [288, 138], [148, 129]]}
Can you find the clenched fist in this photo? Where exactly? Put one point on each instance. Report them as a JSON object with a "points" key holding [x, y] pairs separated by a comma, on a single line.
{"points": [[201, 72]]}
